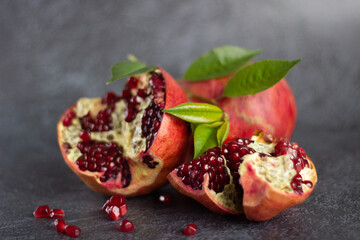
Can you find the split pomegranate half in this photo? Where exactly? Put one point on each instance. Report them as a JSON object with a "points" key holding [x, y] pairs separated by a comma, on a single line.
{"points": [[259, 177], [126, 144]]}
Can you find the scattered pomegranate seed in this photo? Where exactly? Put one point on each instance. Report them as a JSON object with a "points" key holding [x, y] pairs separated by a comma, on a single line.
{"points": [[190, 229], [165, 199], [123, 210], [60, 225], [72, 231], [117, 200], [126, 225], [113, 212], [116, 207], [42, 211], [57, 213]]}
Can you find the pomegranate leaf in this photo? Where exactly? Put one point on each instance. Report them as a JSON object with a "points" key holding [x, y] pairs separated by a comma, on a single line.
{"points": [[204, 139], [196, 112], [127, 69], [223, 132], [219, 62], [258, 77]]}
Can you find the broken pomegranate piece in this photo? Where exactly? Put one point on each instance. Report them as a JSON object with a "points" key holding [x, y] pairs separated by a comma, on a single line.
{"points": [[126, 144], [258, 176]]}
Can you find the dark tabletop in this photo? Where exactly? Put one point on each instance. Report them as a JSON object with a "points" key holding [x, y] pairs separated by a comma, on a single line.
{"points": [[53, 52]]}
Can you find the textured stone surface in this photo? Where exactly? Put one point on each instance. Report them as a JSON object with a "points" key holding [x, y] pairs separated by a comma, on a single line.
{"points": [[53, 52]]}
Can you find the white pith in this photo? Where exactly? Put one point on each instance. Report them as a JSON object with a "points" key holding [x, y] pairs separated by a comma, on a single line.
{"points": [[278, 171], [126, 134], [228, 197]]}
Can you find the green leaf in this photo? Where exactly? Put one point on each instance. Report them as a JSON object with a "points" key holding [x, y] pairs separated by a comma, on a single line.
{"points": [[196, 112], [127, 69], [223, 132], [258, 77], [204, 139], [219, 62], [214, 125]]}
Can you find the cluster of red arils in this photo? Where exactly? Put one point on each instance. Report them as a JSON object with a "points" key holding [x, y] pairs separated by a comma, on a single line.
{"points": [[115, 208], [44, 211]]}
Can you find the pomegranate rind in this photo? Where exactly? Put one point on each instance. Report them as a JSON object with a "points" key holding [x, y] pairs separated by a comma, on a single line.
{"points": [[273, 110], [203, 196], [169, 148], [261, 201]]}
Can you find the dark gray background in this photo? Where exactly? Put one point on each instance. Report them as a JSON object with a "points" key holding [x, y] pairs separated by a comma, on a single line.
{"points": [[53, 52]]}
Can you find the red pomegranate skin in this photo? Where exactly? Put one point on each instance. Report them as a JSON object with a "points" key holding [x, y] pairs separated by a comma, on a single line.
{"points": [[272, 110]]}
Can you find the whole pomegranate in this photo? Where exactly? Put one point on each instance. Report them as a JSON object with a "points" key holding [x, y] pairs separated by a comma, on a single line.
{"points": [[259, 176], [126, 144], [272, 110]]}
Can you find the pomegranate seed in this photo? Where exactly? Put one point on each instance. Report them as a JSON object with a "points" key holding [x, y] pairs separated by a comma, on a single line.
{"points": [[142, 93], [67, 121], [301, 152], [133, 82], [72, 231], [126, 225], [60, 225], [190, 229], [117, 200], [66, 146], [42, 211], [107, 203], [85, 136], [68, 117], [165, 199], [57, 213], [113, 212], [110, 98], [123, 210]]}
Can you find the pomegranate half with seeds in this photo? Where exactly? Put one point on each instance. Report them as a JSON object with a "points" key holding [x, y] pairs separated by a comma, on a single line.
{"points": [[259, 176], [126, 144]]}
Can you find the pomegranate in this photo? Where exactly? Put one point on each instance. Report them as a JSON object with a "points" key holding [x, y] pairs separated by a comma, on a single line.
{"points": [[260, 176], [272, 110], [126, 144]]}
